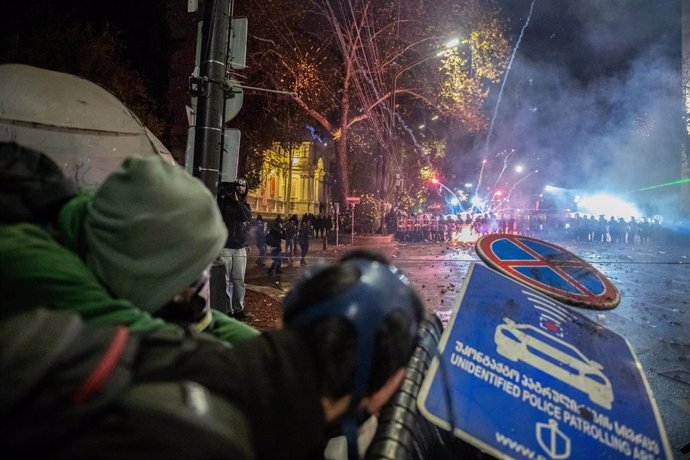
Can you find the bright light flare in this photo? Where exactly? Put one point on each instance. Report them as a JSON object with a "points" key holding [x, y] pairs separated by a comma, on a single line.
{"points": [[519, 169], [608, 205], [452, 43]]}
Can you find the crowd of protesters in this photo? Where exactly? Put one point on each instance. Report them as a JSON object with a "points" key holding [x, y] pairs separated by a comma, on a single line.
{"points": [[468, 227], [296, 234]]}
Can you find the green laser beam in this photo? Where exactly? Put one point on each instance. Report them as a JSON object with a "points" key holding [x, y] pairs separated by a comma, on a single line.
{"points": [[675, 182]]}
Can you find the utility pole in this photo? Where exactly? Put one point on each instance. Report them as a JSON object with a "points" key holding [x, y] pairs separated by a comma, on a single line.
{"points": [[212, 150], [210, 91], [220, 45]]}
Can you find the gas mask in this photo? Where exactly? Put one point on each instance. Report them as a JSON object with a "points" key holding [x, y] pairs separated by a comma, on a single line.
{"points": [[190, 308]]}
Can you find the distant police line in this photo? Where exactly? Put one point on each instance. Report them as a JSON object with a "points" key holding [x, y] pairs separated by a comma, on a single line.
{"points": [[467, 227]]}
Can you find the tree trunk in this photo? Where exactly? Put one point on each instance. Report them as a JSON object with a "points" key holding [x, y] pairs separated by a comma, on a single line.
{"points": [[343, 185]]}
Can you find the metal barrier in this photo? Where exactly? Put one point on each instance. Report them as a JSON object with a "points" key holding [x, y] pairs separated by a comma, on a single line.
{"points": [[403, 433], [394, 438]]}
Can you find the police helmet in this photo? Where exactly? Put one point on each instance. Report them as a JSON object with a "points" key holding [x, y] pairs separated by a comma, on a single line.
{"points": [[379, 291]]}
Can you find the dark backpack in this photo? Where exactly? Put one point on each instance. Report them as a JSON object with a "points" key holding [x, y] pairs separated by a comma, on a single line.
{"points": [[69, 390]]}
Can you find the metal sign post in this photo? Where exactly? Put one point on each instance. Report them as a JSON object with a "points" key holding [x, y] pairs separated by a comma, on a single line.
{"points": [[352, 224], [352, 201], [520, 375], [337, 224]]}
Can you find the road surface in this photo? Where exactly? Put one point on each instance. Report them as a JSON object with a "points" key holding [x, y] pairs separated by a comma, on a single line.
{"points": [[653, 315]]}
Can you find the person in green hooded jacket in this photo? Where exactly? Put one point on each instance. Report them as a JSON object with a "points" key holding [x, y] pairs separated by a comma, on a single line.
{"points": [[132, 252]]}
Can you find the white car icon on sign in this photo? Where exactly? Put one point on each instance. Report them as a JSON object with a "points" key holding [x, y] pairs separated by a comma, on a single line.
{"points": [[559, 359]]}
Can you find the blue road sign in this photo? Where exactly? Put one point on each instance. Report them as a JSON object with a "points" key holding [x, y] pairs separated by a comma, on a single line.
{"points": [[520, 375]]}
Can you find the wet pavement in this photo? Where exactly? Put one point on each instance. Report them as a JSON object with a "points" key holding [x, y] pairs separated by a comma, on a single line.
{"points": [[653, 315]]}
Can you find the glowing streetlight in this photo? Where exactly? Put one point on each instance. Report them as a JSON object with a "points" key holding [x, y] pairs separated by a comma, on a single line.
{"points": [[519, 169], [452, 43], [448, 45]]}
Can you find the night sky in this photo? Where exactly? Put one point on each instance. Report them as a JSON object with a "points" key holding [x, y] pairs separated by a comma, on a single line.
{"points": [[592, 99]]}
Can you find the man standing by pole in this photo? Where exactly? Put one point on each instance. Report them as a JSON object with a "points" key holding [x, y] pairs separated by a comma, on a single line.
{"points": [[237, 216]]}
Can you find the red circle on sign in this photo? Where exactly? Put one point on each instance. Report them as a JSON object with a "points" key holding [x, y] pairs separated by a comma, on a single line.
{"points": [[549, 269]]}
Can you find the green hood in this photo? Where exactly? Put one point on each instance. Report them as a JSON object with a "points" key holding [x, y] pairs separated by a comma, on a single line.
{"points": [[148, 232]]}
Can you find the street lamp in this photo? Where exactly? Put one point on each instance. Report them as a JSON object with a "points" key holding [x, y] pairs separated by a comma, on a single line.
{"points": [[448, 45], [452, 43]]}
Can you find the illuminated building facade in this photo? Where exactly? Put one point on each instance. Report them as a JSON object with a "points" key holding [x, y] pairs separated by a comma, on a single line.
{"points": [[294, 180]]}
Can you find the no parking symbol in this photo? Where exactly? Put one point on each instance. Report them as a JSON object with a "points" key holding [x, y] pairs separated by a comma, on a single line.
{"points": [[549, 269]]}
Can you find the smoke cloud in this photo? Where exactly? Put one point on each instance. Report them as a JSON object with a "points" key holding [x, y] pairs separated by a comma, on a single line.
{"points": [[593, 101]]}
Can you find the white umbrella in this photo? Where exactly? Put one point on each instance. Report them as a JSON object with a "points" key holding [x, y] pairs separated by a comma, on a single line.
{"points": [[80, 125]]}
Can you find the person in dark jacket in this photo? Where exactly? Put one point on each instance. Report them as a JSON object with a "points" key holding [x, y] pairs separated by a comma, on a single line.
{"points": [[291, 229], [303, 234], [303, 384], [273, 239], [237, 217], [260, 235]]}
